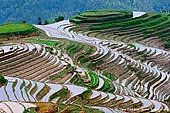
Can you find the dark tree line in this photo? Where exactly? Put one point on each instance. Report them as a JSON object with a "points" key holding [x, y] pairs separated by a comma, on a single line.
{"points": [[59, 18]]}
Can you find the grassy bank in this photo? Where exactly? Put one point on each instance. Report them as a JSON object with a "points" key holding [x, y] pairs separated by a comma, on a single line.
{"points": [[15, 29]]}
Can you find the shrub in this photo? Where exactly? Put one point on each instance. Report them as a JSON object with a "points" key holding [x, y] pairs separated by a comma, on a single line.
{"points": [[3, 80], [138, 74], [129, 67], [24, 21], [132, 45], [90, 50]]}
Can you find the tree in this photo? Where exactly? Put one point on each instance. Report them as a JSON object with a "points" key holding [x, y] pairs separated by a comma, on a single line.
{"points": [[23, 21], [39, 21], [46, 22], [59, 18]]}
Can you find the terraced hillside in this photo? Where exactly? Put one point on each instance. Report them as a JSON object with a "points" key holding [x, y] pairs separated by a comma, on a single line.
{"points": [[122, 26], [98, 61]]}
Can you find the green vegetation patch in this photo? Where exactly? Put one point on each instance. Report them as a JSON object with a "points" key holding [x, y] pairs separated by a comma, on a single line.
{"points": [[109, 75], [14, 29], [100, 16], [94, 79], [43, 92], [102, 13], [138, 74], [3, 81], [86, 94], [67, 70], [30, 110], [119, 24], [132, 45], [62, 94], [50, 43]]}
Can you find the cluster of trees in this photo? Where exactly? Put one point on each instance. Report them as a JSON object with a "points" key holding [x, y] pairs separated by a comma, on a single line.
{"points": [[59, 18], [30, 10]]}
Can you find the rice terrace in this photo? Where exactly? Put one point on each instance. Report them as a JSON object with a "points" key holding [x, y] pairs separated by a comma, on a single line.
{"points": [[98, 61]]}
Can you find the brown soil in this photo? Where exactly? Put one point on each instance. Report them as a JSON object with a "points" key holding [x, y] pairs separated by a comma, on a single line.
{"points": [[18, 37]]}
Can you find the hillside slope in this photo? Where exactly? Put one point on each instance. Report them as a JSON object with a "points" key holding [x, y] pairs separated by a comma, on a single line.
{"points": [[101, 61], [125, 26]]}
